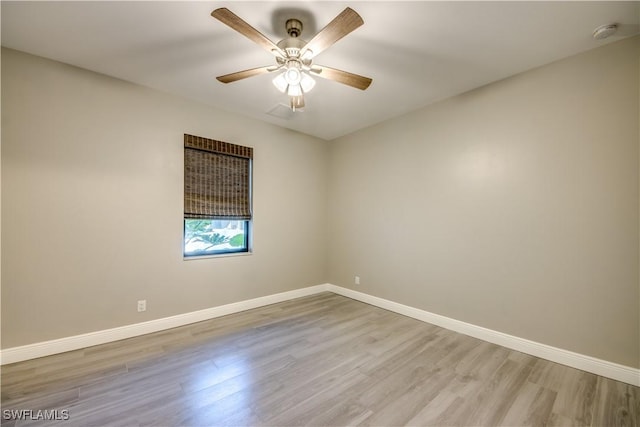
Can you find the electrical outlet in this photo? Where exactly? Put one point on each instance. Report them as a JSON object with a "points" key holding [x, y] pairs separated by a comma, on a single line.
{"points": [[142, 305], [356, 280]]}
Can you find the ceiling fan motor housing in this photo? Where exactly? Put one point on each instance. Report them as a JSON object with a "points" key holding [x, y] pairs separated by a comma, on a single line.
{"points": [[292, 46]]}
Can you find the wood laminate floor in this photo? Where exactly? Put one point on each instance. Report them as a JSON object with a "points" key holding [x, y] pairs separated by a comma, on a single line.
{"points": [[320, 360]]}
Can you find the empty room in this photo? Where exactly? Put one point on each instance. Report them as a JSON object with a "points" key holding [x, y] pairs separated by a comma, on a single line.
{"points": [[265, 213]]}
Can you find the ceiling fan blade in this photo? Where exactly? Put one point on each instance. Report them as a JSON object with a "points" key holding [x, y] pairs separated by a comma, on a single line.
{"points": [[229, 18], [344, 77], [347, 21], [233, 77]]}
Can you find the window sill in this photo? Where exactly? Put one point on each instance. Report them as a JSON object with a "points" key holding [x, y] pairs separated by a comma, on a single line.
{"points": [[230, 254]]}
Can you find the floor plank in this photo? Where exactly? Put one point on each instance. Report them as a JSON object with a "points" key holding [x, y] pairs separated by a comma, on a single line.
{"points": [[616, 404]]}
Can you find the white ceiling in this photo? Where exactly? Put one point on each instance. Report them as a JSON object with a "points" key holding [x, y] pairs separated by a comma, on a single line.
{"points": [[417, 52]]}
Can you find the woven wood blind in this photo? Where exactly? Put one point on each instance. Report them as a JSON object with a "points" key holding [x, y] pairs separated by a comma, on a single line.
{"points": [[217, 179]]}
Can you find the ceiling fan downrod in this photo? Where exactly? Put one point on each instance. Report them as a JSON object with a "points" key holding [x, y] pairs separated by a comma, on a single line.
{"points": [[294, 27]]}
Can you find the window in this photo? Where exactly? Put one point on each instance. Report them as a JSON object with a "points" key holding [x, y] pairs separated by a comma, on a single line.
{"points": [[217, 197], [214, 236]]}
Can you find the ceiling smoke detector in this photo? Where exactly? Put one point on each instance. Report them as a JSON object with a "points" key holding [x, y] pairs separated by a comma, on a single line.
{"points": [[604, 31]]}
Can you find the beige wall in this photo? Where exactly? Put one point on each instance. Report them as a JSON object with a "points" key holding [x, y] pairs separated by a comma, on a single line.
{"points": [[513, 207], [92, 204]]}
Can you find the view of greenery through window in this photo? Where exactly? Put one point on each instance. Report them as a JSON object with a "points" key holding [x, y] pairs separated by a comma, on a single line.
{"points": [[211, 237]]}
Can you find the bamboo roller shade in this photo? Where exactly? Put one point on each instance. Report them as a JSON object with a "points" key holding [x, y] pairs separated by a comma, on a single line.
{"points": [[217, 179]]}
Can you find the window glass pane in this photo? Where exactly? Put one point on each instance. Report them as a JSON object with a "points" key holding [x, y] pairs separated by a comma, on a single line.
{"points": [[212, 237]]}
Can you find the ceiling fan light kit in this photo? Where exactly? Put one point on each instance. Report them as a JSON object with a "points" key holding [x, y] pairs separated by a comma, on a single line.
{"points": [[294, 56]]}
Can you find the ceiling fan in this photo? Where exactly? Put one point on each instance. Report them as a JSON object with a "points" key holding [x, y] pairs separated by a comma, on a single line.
{"points": [[294, 56]]}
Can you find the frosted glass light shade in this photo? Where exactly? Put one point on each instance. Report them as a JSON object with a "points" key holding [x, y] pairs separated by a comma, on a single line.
{"points": [[280, 83], [293, 76], [307, 82], [294, 90]]}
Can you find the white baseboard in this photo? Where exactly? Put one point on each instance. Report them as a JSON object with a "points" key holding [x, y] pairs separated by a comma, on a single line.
{"points": [[47, 348], [576, 360]]}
